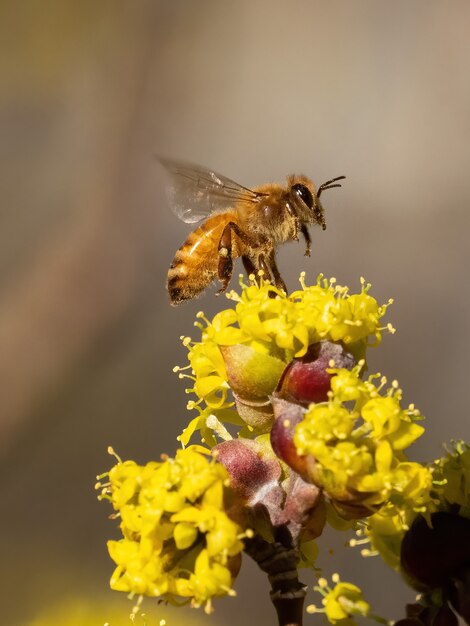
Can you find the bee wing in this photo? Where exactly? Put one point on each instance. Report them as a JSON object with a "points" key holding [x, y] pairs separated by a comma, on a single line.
{"points": [[195, 192]]}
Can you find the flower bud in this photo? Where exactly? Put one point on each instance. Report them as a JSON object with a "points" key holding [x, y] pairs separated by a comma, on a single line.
{"points": [[432, 554], [252, 375], [287, 416], [304, 509], [306, 379], [249, 467], [258, 415], [423, 615], [267, 499]]}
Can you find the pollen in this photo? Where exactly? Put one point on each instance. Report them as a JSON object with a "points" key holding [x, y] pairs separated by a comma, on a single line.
{"points": [[366, 553]]}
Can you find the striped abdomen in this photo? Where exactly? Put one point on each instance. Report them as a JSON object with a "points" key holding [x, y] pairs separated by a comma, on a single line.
{"points": [[196, 262]]}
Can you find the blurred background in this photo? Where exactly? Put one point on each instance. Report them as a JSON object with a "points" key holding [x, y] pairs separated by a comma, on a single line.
{"points": [[89, 92]]}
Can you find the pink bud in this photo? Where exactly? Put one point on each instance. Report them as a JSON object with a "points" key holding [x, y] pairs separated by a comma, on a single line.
{"points": [[251, 470], [306, 379], [288, 415]]}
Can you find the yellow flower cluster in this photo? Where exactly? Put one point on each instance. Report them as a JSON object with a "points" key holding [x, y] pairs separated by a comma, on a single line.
{"points": [[274, 328], [357, 439], [340, 603], [450, 489], [178, 542], [452, 479]]}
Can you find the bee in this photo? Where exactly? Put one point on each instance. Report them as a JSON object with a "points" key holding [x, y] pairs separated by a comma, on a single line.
{"points": [[238, 222]]}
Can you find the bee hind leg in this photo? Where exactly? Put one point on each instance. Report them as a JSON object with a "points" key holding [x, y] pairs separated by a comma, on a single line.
{"points": [[225, 267], [225, 272]]}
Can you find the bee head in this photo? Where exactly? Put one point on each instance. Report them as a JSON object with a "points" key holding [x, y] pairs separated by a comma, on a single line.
{"points": [[306, 196]]}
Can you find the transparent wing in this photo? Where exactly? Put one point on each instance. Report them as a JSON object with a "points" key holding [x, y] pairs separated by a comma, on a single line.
{"points": [[194, 192]]}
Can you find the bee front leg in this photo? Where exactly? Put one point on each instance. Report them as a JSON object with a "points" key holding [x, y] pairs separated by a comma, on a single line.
{"points": [[293, 214], [308, 241]]}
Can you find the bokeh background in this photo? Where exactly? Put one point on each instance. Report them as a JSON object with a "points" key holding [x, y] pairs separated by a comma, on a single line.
{"points": [[89, 92]]}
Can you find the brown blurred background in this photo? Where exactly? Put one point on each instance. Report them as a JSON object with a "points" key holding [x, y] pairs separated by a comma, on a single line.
{"points": [[89, 91]]}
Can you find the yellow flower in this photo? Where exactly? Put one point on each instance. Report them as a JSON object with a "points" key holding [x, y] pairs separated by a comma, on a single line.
{"points": [[211, 381], [326, 422], [412, 484], [209, 579], [177, 539], [410, 492], [344, 601], [341, 603], [390, 422]]}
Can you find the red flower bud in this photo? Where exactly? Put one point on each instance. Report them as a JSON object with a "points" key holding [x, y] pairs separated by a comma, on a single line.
{"points": [[431, 555], [288, 415], [267, 499], [306, 379], [251, 469]]}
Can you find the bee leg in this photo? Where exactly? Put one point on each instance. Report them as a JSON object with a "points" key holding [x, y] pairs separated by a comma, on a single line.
{"points": [[251, 270], [280, 284], [249, 266], [267, 274], [308, 241], [271, 272], [225, 266], [293, 214]]}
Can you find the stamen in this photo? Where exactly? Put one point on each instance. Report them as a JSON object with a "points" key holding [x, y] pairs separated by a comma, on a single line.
{"points": [[368, 553], [311, 609], [218, 428], [113, 453], [358, 542]]}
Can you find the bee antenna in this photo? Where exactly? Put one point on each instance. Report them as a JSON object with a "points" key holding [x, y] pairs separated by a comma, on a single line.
{"points": [[329, 185]]}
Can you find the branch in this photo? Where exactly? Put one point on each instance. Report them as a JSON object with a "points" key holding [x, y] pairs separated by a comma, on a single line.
{"points": [[280, 563]]}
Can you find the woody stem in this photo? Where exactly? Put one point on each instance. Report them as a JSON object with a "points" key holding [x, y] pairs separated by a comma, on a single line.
{"points": [[280, 563]]}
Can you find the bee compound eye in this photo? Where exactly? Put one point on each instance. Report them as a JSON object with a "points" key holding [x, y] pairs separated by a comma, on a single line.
{"points": [[304, 194]]}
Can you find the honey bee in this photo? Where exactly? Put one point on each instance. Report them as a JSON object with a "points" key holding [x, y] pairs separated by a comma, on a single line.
{"points": [[238, 222]]}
